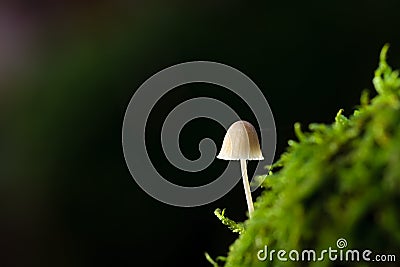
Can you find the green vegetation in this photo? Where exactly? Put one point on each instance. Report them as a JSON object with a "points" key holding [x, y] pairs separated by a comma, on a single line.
{"points": [[337, 181], [235, 227]]}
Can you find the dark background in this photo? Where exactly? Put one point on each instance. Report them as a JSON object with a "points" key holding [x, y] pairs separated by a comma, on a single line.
{"points": [[68, 70]]}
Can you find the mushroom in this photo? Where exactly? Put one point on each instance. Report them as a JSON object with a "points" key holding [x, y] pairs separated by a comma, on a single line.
{"points": [[241, 143]]}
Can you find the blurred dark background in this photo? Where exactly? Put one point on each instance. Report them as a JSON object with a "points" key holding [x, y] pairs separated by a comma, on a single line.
{"points": [[68, 70]]}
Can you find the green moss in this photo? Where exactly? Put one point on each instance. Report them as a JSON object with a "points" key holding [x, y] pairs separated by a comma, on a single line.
{"points": [[235, 227], [338, 181]]}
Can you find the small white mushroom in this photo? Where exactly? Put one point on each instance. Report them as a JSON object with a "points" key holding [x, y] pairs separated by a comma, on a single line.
{"points": [[241, 143]]}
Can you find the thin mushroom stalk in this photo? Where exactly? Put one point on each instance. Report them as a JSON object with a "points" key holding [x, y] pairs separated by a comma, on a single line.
{"points": [[245, 178], [241, 143]]}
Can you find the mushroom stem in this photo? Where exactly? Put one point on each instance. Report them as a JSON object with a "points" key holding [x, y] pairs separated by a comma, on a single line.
{"points": [[243, 165]]}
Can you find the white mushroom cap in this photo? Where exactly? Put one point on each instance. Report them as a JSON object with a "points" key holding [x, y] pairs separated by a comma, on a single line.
{"points": [[241, 142]]}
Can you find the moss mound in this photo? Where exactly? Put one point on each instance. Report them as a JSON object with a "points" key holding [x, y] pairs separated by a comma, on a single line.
{"points": [[338, 181]]}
